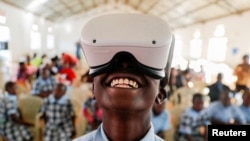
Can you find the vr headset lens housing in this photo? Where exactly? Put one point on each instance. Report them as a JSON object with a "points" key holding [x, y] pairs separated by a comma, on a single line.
{"points": [[146, 40]]}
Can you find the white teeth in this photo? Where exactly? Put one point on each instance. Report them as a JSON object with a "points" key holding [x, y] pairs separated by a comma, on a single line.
{"points": [[124, 83]]}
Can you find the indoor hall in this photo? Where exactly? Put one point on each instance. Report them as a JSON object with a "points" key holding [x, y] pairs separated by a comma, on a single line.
{"points": [[43, 38]]}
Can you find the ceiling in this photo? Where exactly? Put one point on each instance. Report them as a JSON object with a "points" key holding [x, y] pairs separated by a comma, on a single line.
{"points": [[178, 13]]}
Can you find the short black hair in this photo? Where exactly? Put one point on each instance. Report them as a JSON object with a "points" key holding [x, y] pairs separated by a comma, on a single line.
{"points": [[21, 63], [8, 85], [63, 86], [55, 58], [245, 56]]}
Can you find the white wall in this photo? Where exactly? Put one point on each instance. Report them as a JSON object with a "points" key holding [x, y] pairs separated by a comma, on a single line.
{"points": [[237, 31], [68, 33], [20, 25]]}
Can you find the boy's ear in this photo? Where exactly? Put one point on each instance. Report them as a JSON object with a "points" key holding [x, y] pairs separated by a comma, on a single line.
{"points": [[92, 87], [162, 96], [93, 91]]}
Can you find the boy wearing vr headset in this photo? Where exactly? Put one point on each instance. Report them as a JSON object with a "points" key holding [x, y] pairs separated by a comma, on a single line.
{"points": [[129, 56]]}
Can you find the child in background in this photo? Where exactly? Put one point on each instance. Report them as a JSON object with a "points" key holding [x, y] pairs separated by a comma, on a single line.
{"points": [[58, 113], [224, 112], [12, 126], [245, 106], [161, 119], [194, 121], [92, 113], [44, 85], [23, 77], [67, 74]]}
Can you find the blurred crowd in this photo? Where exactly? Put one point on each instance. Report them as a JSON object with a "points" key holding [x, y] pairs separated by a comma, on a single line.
{"points": [[68, 110], [193, 104]]}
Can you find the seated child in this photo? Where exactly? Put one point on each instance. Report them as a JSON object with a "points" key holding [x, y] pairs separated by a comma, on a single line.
{"points": [[12, 126], [161, 119], [245, 106], [58, 113], [193, 121], [224, 112], [92, 113]]}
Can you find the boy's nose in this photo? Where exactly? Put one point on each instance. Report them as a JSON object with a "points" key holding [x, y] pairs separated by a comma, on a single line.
{"points": [[125, 65]]}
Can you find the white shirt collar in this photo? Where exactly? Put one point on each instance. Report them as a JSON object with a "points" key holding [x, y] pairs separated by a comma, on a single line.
{"points": [[12, 97], [150, 136], [62, 100]]}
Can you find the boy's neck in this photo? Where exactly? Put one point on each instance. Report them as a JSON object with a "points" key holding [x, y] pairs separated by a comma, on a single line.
{"points": [[125, 127], [58, 97]]}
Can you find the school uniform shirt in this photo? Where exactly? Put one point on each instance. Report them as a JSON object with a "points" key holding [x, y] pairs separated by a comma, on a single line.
{"points": [[42, 85], [59, 114], [161, 122], [246, 111], [225, 114], [191, 121], [8, 128], [99, 135]]}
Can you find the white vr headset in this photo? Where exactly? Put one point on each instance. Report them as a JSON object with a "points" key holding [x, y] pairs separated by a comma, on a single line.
{"points": [[141, 39]]}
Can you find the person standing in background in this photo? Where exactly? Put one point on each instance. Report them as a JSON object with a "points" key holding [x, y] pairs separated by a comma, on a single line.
{"points": [[58, 113], [216, 88], [242, 72], [78, 50], [67, 74], [23, 78]]}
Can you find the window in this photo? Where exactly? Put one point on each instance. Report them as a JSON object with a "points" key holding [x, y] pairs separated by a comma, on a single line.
{"points": [[35, 38], [5, 53], [178, 48], [217, 49], [195, 48], [217, 45], [196, 45], [50, 41], [178, 60], [4, 37], [2, 19]]}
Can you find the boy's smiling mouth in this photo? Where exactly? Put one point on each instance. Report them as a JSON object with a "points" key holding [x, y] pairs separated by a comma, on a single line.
{"points": [[124, 83]]}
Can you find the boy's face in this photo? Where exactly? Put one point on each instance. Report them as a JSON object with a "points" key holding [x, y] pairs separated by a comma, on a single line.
{"points": [[12, 89], [45, 73], [125, 90], [198, 104], [225, 98], [59, 91], [246, 59]]}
